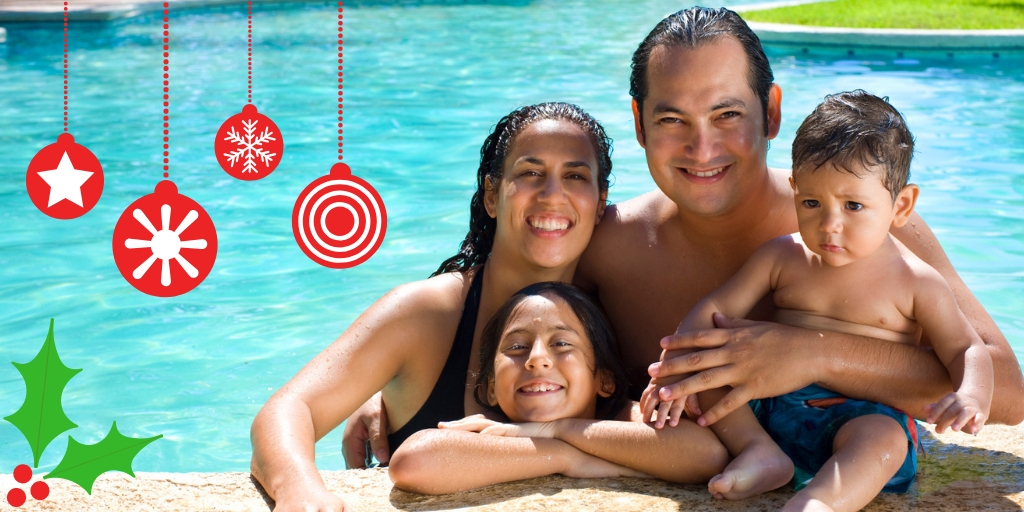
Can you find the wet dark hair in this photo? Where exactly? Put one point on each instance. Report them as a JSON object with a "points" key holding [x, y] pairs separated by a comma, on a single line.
{"points": [[853, 127], [595, 327], [692, 28], [476, 247]]}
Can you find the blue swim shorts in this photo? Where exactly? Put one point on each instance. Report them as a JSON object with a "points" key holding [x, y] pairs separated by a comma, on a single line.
{"points": [[804, 424]]}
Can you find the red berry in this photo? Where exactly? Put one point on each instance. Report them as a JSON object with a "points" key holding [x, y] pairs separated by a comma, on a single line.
{"points": [[16, 497], [40, 490], [23, 473]]}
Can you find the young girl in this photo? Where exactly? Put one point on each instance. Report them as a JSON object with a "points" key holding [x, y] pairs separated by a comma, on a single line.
{"points": [[551, 378]]}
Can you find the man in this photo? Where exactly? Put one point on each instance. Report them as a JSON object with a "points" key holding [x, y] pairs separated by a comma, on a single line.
{"points": [[705, 108]]}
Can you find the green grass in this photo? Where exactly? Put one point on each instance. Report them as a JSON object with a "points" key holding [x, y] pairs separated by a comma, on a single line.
{"points": [[931, 14]]}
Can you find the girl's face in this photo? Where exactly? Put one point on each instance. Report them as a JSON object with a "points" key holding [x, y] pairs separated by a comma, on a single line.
{"points": [[548, 200], [544, 367]]}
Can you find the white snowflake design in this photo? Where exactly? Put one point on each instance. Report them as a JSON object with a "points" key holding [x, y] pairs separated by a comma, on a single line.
{"points": [[165, 244], [248, 146]]}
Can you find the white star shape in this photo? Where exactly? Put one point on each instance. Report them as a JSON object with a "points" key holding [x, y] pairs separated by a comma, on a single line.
{"points": [[65, 182]]}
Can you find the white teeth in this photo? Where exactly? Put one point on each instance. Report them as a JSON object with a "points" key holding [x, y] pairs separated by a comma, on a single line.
{"points": [[539, 388], [706, 174], [550, 224]]}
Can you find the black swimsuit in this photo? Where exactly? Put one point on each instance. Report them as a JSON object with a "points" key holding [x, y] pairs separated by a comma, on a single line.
{"points": [[447, 400]]}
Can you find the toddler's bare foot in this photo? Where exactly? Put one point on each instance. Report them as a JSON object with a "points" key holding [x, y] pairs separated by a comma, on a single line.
{"points": [[806, 505], [761, 467]]}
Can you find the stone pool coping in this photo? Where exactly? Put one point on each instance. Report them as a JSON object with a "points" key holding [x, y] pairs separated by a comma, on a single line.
{"points": [[906, 38], [976, 473], [101, 10]]}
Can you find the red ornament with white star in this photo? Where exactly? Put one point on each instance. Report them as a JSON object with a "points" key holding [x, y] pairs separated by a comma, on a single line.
{"points": [[248, 145], [169, 227], [64, 180]]}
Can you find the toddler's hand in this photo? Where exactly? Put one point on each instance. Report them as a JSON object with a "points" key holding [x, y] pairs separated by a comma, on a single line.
{"points": [[959, 411]]}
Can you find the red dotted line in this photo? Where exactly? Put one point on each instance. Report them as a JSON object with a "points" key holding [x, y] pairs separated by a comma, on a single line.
{"points": [[167, 97], [340, 138], [250, 52], [65, 66]]}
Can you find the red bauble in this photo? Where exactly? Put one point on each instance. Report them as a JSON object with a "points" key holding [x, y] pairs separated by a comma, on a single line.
{"points": [[340, 208], [248, 145], [64, 179], [171, 228]]}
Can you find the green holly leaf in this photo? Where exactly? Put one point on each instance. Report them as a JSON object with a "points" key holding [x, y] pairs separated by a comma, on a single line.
{"points": [[41, 417], [83, 464]]}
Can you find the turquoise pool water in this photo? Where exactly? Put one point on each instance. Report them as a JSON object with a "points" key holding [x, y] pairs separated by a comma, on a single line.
{"points": [[424, 83]]}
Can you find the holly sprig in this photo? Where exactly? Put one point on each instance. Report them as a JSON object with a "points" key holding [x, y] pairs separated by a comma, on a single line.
{"points": [[41, 419]]}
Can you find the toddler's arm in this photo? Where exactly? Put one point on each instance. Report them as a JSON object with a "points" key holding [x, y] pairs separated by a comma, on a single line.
{"points": [[961, 351]]}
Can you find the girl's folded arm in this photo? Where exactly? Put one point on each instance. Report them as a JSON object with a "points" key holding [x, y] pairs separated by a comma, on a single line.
{"points": [[440, 461], [686, 453]]}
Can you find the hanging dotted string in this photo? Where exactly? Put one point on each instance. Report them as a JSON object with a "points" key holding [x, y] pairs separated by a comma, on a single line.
{"points": [[339, 81], [250, 52], [65, 67], [167, 97]]}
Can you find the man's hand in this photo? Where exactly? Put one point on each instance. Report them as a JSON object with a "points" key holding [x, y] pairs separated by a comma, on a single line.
{"points": [[959, 412], [367, 426], [743, 354]]}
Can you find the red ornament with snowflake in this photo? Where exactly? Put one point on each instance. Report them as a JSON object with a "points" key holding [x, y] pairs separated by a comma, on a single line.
{"points": [[169, 227], [64, 180], [249, 145]]}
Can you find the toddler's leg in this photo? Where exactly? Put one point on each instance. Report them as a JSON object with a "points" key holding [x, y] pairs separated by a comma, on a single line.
{"points": [[759, 464], [866, 453]]}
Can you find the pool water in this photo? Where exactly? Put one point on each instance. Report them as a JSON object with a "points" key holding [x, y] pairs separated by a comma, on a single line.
{"points": [[424, 82]]}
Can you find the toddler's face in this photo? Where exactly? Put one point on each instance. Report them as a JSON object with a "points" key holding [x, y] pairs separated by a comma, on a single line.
{"points": [[543, 370], [843, 217]]}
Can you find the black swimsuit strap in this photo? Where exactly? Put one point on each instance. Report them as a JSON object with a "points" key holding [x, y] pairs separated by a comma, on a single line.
{"points": [[447, 400]]}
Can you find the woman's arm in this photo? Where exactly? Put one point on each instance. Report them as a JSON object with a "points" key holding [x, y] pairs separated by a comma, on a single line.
{"points": [[367, 356], [440, 461]]}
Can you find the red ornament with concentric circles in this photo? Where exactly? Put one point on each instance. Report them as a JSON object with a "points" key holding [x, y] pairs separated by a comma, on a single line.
{"points": [[339, 220]]}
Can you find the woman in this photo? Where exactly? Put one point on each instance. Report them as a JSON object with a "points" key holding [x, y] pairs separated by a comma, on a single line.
{"points": [[541, 188]]}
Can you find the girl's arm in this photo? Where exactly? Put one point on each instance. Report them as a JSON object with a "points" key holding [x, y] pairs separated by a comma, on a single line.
{"points": [[358, 364], [961, 351], [440, 461]]}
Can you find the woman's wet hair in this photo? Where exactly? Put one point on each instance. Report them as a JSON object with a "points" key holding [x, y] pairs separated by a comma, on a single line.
{"points": [[856, 126], [478, 242], [695, 27], [595, 328]]}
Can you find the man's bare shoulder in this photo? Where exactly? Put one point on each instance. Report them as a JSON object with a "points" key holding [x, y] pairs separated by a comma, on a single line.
{"points": [[626, 229]]}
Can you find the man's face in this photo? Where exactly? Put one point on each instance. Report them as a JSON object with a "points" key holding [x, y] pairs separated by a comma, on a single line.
{"points": [[704, 131]]}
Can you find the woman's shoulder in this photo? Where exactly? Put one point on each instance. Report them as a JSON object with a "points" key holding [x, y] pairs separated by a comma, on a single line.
{"points": [[438, 295]]}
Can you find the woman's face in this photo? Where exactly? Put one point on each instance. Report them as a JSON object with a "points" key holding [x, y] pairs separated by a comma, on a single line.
{"points": [[544, 366], [548, 200]]}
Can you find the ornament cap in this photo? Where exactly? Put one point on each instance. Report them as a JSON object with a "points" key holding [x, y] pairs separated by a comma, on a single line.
{"points": [[65, 138], [249, 109], [166, 187], [341, 170]]}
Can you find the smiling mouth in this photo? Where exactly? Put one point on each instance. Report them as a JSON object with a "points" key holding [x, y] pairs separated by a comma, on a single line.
{"points": [[539, 388], [703, 174], [547, 224], [831, 248]]}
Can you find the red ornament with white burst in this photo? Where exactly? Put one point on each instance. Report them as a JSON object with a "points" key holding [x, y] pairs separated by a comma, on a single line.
{"points": [[185, 242], [248, 145]]}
